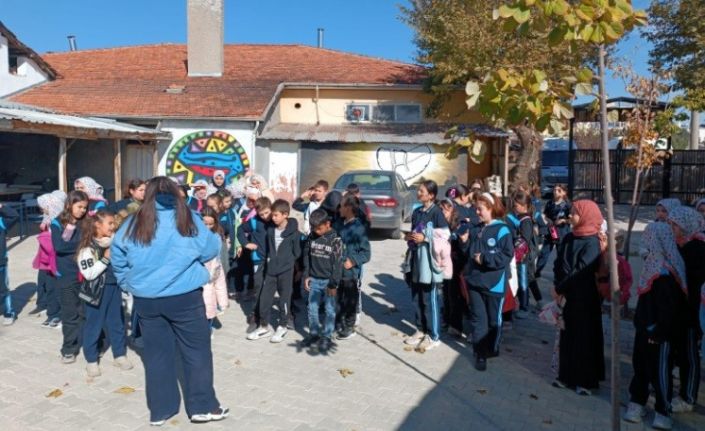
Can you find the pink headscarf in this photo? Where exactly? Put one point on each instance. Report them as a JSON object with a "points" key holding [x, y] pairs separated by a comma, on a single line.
{"points": [[591, 219]]}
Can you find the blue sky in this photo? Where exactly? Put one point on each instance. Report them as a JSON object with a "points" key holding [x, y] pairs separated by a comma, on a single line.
{"points": [[370, 27]]}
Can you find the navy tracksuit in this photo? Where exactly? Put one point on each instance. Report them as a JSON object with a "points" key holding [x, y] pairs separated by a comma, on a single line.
{"points": [[486, 283], [8, 217], [554, 212]]}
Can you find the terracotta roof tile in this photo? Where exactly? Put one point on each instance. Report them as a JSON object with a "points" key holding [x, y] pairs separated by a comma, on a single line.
{"points": [[131, 81]]}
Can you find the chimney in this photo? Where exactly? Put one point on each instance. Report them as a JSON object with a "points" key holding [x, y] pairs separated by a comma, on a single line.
{"points": [[205, 37], [72, 42], [320, 37]]}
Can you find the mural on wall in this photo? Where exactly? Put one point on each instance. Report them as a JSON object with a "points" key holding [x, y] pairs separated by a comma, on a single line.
{"points": [[197, 155], [408, 161]]}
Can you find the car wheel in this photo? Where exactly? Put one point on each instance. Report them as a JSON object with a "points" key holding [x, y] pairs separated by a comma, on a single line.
{"points": [[395, 233]]}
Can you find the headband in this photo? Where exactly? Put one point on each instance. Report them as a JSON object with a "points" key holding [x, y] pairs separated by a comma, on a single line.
{"points": [[489, 197]]}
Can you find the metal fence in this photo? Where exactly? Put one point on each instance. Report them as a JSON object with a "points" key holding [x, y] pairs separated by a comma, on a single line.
{"points": [[681, 176]]}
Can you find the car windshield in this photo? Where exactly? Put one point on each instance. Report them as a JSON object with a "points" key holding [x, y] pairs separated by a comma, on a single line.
{"points": [[554, 158], [366, 181]]}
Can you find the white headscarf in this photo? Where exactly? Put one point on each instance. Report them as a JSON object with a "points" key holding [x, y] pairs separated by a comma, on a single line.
{"points": [[51, 204], [92, 188], [661, 253]]}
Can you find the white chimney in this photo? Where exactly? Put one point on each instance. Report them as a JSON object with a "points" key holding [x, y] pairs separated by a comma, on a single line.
{"points": [[205, 37]]}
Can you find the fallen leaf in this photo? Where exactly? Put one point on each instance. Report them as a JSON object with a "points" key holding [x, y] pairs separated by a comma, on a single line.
{"points": [[482, 391], [533, 396], [174, 421], [124, 390], [237, 362], [420, 350], [345, 372], [408, 349], [56, 393]]}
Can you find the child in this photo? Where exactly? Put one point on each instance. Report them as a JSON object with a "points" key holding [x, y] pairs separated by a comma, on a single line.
{"points": [[8, 218], [215, 292], [252, 234], [198, 197], [94, 191], [218, 180], [283, 248], [662, 300], [104, 310], [134, 195], [447, 257], [323, 262], [557, 212], [490, 253], [44, 262], [581, 353], [664, 207], [425, 276], [525, 251], [356, 252], [210, 219], [624, 270], [688, 226], [65, 238], [315, 196], [364, 214]]}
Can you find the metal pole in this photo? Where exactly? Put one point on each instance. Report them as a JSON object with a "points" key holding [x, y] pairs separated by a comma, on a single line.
{"points": [[612, 249]]}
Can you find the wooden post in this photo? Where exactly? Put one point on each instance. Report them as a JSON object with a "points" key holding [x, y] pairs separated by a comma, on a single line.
{"points": [[155, 158], [505, 174], [63, 182], [117, 168]]}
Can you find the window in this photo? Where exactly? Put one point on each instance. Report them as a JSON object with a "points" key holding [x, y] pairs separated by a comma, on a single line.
{"points": [[13, 64], [384, 114], [366, 181], [408, 113], [356, 113]]}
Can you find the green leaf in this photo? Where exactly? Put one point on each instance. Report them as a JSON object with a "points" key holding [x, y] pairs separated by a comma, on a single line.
{"points": [[598, 35], [583, 89], [612, 31], [624, 6], [584, 75], [557, 35], [542, 122], [586, 33], [521, 15], [505, 11], [585, 12], [560, 7]]}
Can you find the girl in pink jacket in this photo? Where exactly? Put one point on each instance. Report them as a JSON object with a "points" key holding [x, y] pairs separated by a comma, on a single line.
{"points": [[215, 292]]}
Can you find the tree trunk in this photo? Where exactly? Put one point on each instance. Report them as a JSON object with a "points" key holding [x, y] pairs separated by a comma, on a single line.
{"points": [[527, 169], [634, 211], [694, 130]]}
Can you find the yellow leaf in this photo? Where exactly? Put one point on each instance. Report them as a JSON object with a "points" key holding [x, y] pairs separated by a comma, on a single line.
{"points": [[598, 35], [586, 33], [505, 11], [345, 372], [522, 15], [124, 390], [560, 7], [56, 393]]}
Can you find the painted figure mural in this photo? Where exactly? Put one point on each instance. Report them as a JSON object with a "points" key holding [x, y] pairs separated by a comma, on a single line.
{"points": [[197, 155]]}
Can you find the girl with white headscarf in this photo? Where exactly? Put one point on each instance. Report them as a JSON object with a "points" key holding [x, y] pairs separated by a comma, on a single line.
{"points": [[658, 319], [688, 226], [94, 191]]}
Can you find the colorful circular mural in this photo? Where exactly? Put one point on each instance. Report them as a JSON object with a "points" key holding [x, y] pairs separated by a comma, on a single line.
{"points": [[197, 155]]}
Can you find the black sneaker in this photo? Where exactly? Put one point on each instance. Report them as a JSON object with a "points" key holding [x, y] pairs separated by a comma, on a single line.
{"points": [[36, 310], [47, 323], [345, 335], [218, 415], [481, 364], [311, 340], [325, 344]]}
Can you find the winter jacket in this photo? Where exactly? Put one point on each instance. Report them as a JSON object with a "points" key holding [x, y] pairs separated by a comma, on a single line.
{"points": [[92, 264], [496, 248], [254, 231], [282, 259], [558, 211], [423, 268], [215, 291], [441, 252], [171, 265], [323, 258], [45, 260], [8, 218], [660, 311], [65, 250], [356, 246]]}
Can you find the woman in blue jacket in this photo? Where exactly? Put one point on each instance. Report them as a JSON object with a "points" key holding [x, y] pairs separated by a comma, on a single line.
{"points": [[169, 300], [489, 255]]}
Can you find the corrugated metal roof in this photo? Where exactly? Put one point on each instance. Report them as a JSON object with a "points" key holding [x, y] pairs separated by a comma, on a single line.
{"points": [[26, 115], [430, 133]]}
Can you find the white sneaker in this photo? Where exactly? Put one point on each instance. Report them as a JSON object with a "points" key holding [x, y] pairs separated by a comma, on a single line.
{"points": [[679, 405], [415, 339], [92, 369], [217, 415], [428, 344], [123, 363], [635, 413], [8, 320], [662, 422], [279, 334], [261, 332]]}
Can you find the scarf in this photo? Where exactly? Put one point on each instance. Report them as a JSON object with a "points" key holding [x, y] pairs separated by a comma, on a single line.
{"points": [[68, 232], [699, 203], [669, 204], [92, 188], [691, 223], [661, 254], [51, 205], [591, 219], [103, 242]]}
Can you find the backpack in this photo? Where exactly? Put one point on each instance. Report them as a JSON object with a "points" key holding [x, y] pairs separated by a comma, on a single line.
{"points": [[521, 246]]}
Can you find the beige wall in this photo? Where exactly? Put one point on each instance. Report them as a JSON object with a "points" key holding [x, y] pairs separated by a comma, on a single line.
{"points": [[332, 103]]}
